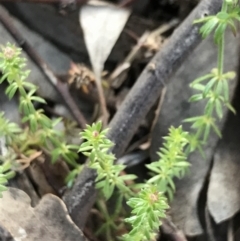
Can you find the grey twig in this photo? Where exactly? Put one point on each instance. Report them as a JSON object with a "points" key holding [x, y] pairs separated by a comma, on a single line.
{"points": [[152, 80], [61, 87]]}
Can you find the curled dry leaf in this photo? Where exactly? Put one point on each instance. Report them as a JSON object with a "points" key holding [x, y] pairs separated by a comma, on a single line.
{"points": [[48, 221], [102, 24]]}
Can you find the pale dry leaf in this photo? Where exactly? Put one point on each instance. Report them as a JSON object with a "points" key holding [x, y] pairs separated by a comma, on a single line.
{"points": [[102, 23], [48, 221], [223, 198], [48, 177]]}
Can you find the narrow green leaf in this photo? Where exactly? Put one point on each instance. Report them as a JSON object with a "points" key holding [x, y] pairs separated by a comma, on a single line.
{"points": [[208, 27], [219, 32], [200, 79], [206, 132], [29, 85], [192, 119], [216, 129], [99, 126], [196, 97], [128, 177], [218, 108], [38, 99], [209, 86], [209, 108], [225, 90], [230, 107], [11, 90]]}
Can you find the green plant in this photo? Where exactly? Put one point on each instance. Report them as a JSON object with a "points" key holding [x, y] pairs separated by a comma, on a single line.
{"points": [[41, 132], [215, 90], [147, 200], [8, 131], [149, 204], [97, 148], [179, 144], [149, 208], [110, 177], [5, 174], [173, 161], [3, 181]]}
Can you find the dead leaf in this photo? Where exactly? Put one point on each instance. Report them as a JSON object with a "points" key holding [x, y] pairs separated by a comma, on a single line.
{"points": [[48, 221], [25, 161], [223, 199], [102, 24], [48, 177]]}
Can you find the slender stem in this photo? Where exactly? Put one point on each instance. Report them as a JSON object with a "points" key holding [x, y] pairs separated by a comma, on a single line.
{"points": [[118, 207], [221, 55], [224, 6], [102, 100]]}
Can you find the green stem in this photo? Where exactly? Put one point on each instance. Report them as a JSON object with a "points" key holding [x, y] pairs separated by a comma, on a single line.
{"points": [[224, 6], [221, 55], [118, 206]]}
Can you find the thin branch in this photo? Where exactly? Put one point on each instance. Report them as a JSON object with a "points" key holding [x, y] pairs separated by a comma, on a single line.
{"points": [[133, 54], [102, 100], [61, 87]]}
